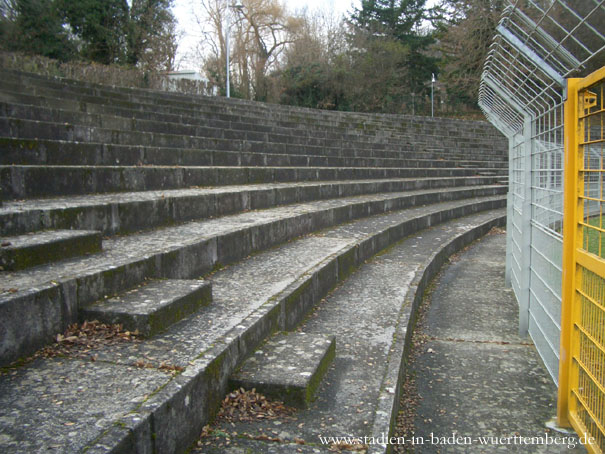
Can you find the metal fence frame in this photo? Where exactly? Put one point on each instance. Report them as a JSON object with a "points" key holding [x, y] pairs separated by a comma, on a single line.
{"points": [[581, 396], [537, 45]]}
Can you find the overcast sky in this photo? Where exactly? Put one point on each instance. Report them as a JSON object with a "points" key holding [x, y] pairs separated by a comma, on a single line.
{"points": [[184, 12]]}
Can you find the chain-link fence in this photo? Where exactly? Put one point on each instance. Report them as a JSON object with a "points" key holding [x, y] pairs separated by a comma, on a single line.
{"points": [[538, 44]]}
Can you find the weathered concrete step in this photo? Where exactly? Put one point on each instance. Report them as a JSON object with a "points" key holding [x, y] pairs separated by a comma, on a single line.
{"points": [[51, 152], [302, 116], [122, 213], [78, 112], [218, 106], [21, 182], [128, 124], [288, 367], [164, 413], [46, 300], [263, 306], [152, 307], [135, 120], [371, 314], [203, 138], [222, 152], [38, 248]]}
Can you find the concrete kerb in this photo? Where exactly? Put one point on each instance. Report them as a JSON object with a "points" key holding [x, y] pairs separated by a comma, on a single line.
{"points": [[388, 400], [176, 421]]}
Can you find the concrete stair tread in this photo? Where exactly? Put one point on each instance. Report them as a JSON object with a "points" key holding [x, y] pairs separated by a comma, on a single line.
{"points": [[200, 138], [288, 367], [18, 181], [221, 107], [178, 123], [29, 130], [121, 251], [478, 169], [219, 152], [193, 336], [370, 316], [141, 196], [36, 300], [328, 191], [126, 212], [150, 101], [32, 249], [152, 307], [244, 289], [149, 121]]}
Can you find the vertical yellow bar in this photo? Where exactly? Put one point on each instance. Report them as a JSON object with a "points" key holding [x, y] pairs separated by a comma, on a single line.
{"points": [[570, 200]]}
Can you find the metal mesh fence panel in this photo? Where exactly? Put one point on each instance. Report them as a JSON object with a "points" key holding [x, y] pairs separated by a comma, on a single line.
{"points": [[538, 44]]}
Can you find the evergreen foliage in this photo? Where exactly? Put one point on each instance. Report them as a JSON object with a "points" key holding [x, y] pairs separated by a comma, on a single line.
{"points": [[101, 31]]}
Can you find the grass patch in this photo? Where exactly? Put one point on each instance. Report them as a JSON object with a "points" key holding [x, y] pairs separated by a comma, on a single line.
{"points": [[594, 241]]}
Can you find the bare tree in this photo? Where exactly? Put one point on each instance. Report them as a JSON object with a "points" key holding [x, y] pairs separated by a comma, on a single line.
{"points": [[260, 30], [464, 43]]}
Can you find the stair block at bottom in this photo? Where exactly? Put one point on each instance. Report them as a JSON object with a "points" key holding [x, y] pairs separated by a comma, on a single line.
{"points": [[289, 367]]}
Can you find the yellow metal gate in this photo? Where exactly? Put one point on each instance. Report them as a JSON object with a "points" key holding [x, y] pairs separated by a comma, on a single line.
{"points": [[582, 355]]}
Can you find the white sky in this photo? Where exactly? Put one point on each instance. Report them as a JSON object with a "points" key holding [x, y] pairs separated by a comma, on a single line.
{"points": [[184, 12]]}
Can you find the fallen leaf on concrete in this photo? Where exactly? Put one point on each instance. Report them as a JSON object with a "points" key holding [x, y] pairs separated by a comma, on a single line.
{"points": [[337, 447], [243, 405], [79, 339]]}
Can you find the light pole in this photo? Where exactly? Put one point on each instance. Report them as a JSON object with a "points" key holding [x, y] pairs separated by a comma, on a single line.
{"points": [[432, 98], [227, 48], [413, 103]]}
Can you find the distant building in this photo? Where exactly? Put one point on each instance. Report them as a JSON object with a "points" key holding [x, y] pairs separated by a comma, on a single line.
{"points": [[188, 74], [174, 79]]}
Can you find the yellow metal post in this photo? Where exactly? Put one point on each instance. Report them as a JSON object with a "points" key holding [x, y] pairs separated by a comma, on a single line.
{"points": [[569, 246]]}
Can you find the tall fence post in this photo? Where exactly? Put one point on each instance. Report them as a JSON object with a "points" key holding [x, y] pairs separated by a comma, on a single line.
{"points": [[509, 219], [524, 296]]}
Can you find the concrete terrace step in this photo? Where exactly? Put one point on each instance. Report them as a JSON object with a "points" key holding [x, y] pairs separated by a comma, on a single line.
{"points": [[123, 213], [288, 367], [44, 301], [29, 250], [59, 110], [369, 123], [474, 130], [165, 414], [19, 182], [153, 307], [371, 314], [200, 138], [19, 151], [263, 209]]}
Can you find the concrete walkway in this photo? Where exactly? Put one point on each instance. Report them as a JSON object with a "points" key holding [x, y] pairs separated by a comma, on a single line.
{"points": [[471, 375]]}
